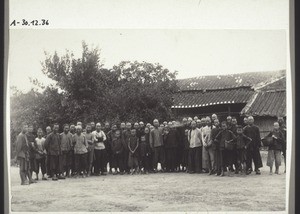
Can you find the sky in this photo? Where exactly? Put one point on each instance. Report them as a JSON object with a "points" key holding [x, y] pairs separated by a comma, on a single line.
{"points": [[190, 52], [193, 37]]}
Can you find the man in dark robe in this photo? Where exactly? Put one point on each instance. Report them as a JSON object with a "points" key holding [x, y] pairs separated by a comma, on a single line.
{"points": [[253, 153]]}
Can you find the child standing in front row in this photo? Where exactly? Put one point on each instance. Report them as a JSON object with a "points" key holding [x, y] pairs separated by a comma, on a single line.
{"points": [[41, 154], [133, 159], [275, 148], [242, 142]]}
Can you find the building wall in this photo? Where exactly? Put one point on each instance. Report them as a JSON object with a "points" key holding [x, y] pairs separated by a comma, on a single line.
{"points": [[265, 124], [221, 110]]}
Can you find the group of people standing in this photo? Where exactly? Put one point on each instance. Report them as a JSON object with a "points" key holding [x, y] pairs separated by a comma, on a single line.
{"points": [[193, 146]]}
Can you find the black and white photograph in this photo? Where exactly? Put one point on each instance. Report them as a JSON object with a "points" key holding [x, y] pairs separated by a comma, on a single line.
{"points": [[150, 119]]}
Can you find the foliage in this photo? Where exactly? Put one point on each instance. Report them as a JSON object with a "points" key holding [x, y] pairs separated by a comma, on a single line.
{"points": [[85, 91]]}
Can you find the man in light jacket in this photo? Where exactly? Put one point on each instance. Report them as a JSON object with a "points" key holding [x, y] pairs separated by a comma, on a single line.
{"points": [[195, 153], [156, 144]]}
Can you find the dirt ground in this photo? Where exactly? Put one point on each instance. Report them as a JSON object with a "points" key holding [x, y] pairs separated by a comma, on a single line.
{"points": [[154, 192]]}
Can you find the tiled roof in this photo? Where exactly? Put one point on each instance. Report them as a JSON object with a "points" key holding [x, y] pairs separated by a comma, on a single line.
{"points": [[277, 85], [271, 103], [218, 82], [194, 99]]}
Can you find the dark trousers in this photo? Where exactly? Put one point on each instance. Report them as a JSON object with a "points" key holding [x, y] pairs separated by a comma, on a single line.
{"points": [[146, 162], [118, 162], [54, 164], [24, 169], [40, 164], [229, 158], [195, 158], [125, 161], [48, 165], [185, 158], [100, 160], [284, 153], [90, 160], [220, 159], [253, 154], [179, 156], [159, 157], [80, 162], [73, 161], [108, 156], [171, 158], [66, 161], [32, 164]]}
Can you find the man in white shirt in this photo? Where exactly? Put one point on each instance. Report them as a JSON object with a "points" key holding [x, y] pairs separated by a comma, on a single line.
{"points": [[195, 153], [207, 151], [100, 150]]}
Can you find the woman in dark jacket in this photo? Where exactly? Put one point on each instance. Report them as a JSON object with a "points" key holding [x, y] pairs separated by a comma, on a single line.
{"points": [[145, 152], [275, 148], [170, 142]]}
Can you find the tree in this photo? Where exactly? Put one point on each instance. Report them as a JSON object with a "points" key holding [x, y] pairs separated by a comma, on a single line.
{"points": [[85, 91]]}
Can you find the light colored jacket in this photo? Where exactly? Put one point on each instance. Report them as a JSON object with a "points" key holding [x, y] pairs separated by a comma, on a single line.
{"points": [[81, 144], [99, 145], [205, 134], [156, 137], [194, 137]]}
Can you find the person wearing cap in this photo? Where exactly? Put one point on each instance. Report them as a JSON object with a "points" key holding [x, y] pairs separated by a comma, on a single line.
{"points": [[253, 153], [80, 151], [275, 148], [90, 154], [53, 148], [242, 142], [201, 127], [216, 147], [208, 157], [72, 133], [185, 155], [198, 124], [282, 128], [122, 127], [136, 126], [189, 122], [233, 128], [133, 146], [245, 121], [40, 156], [145, 152], [180, 161], [148, 125], [22, 149], [156, 143], [141, 129], [165, 123], [195, 152], [32, 151], [225, 140], [93, 126], [99, 150], [48, 131], [229, 122], [109, 137], [214, 117], [125, 135], [66, 150], [196, 118], [170, 141], [117, 153]]}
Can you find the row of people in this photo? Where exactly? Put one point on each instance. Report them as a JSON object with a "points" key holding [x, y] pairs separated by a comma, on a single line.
{"points": [[194, 146]]}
